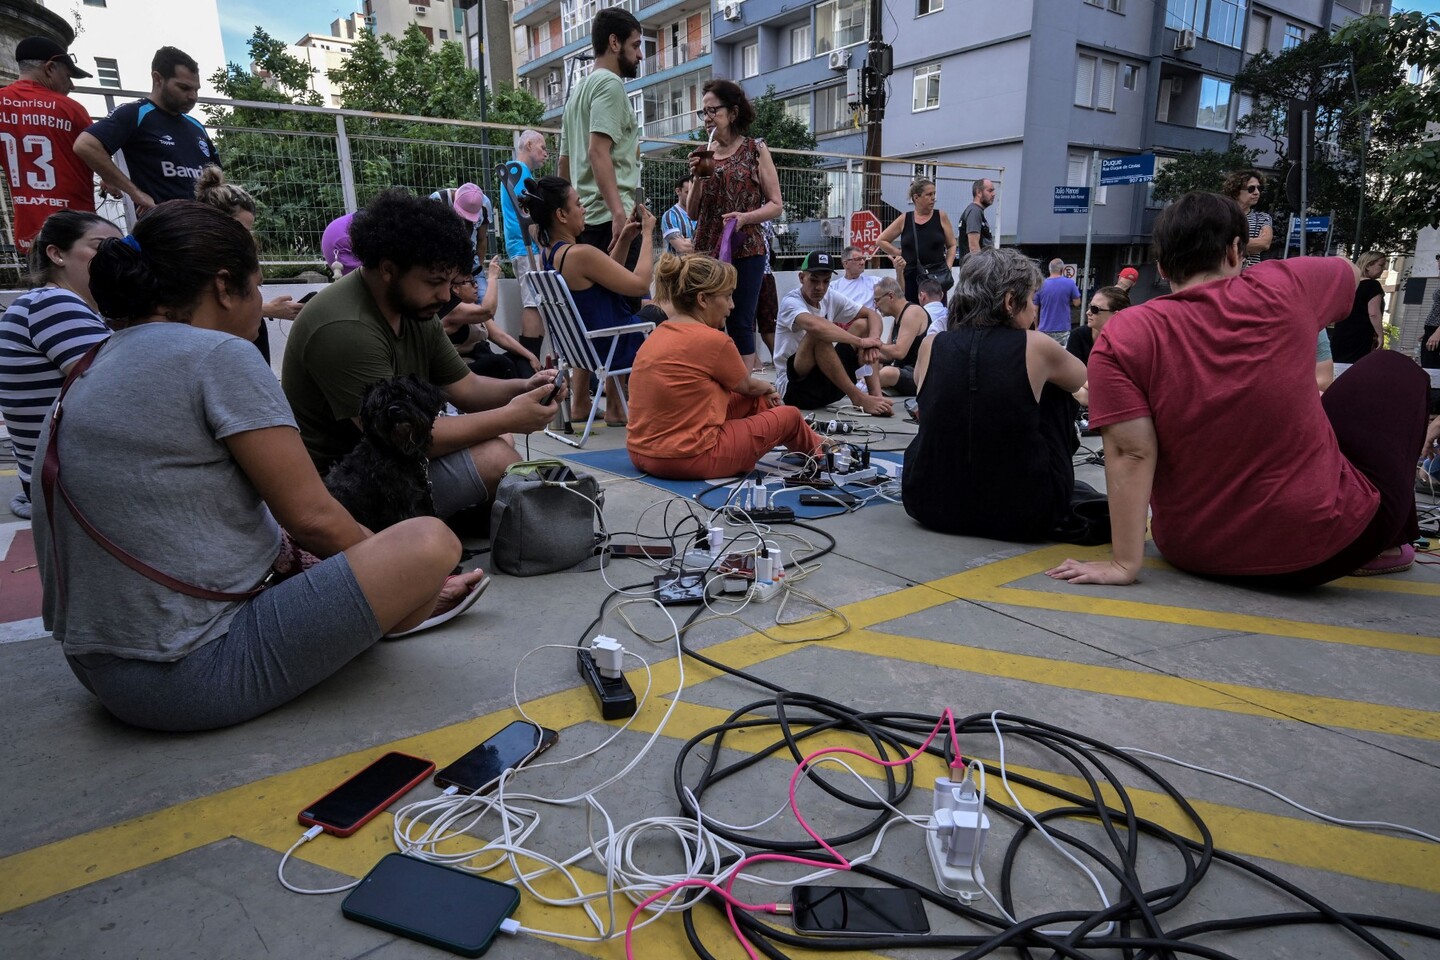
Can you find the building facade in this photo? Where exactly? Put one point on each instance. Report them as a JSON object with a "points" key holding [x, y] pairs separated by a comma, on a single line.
{"points": [[1031, 90], [551, 45], [436, 19], [116, 40]]}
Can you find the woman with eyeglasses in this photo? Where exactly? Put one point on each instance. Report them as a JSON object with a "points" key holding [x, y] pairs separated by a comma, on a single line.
{"points": [[1244, 187], [927, 238], [743, 190], [469, 321], [992, 456]]}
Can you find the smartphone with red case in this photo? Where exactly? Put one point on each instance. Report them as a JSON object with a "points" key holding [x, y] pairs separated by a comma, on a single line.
{"points": [[355, 802]]}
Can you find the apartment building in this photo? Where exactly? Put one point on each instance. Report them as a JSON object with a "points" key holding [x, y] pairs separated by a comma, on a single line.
{"points": [[551, 46], [485, 32], [1032, 88], [116, 39], [436, 19]]}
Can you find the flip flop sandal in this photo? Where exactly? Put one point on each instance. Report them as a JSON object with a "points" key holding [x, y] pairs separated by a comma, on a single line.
{"points": [[465, 603]]}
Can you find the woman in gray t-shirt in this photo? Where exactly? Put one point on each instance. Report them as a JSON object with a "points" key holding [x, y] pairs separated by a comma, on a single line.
{"points": [[178, 447]]}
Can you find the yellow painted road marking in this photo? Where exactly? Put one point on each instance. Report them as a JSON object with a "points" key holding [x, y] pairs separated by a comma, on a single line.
{"points": [[263, 811]]}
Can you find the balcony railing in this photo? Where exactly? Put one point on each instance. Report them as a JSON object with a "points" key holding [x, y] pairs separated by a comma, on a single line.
{"points": [[671, 127]]}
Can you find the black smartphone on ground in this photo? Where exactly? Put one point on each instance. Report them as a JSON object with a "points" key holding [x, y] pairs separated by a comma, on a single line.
{"points": [[820, 911], [436, 905], [480, 769], [839, 498], [642, 551], [355, 802]]}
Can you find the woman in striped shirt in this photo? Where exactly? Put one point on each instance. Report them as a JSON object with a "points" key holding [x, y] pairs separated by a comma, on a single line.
{"points": [[46, 330]]}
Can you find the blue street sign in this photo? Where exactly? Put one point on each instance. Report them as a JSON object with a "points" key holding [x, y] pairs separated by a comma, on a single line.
{"points": [[1122, 170], [1312, 225], [1072, 199]]}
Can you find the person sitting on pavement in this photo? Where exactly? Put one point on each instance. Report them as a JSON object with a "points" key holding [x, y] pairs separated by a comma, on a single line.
{"points": [[821, 342], [469, 322], [854, 284], [599, 284], [178, 444], [992, 456], [379, 322], [932, 298], [43, 332], [1207, 404], [695, 410], [235, 201], [909, 322]]}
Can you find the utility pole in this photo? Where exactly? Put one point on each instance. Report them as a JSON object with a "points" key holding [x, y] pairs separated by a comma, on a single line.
{"points": [[879, 64]]}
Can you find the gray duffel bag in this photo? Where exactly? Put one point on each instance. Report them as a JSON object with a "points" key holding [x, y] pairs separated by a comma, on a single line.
{"points": [[543, 518]]}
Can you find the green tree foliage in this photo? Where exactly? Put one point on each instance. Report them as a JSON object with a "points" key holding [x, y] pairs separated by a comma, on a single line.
{"points": [[1377, 123], [1202, 170], [289, 160]]}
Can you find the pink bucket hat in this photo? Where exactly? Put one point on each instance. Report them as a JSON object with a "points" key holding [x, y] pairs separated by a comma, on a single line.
{"points": [[469, 201]]}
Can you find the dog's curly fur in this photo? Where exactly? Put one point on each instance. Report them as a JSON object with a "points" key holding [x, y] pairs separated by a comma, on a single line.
{"points": [[384, 479]]}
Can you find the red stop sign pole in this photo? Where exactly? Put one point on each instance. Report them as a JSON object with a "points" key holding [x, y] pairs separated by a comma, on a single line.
{"points": [[865, 232]]}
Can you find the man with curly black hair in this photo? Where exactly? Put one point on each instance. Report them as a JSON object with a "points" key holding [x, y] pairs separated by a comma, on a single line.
{"points": [[379, 322]]}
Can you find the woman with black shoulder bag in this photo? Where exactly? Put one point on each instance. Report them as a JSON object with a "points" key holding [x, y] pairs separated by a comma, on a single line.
{"points": [[927, 242]]}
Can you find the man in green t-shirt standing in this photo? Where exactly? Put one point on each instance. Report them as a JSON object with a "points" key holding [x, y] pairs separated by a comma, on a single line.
{"points": [[379, 322], [599, 138]]}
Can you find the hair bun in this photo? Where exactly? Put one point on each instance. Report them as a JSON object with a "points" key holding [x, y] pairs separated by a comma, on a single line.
{"points": [[121, 281]]}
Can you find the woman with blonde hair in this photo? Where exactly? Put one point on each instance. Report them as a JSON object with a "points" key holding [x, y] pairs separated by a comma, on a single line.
{"points": [[1363, 330], [212, 189], [695, 410], [927, 239]]}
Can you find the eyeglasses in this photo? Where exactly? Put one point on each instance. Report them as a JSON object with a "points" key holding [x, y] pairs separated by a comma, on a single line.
{"points": [[704, 112], [853, 260], [1094, 309], [1252, 189], [470, 282]]}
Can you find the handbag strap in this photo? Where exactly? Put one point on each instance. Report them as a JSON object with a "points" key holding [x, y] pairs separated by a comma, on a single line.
{"points": [[920, 265], [50, 484]]}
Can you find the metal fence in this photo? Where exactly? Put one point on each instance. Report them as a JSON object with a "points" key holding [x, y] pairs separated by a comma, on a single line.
{"points": [[305, 166]]}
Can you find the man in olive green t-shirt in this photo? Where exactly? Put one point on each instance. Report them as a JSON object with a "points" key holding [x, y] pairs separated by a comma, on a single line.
{"points": [[379, 322], [599, 138]]}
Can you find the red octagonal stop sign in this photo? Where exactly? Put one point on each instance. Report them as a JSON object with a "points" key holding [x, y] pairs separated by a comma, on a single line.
{"points": [[865, 232]]}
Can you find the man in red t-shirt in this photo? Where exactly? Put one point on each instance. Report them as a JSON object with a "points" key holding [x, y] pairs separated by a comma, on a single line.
{"points": [[1207, 404], [38, 127]]}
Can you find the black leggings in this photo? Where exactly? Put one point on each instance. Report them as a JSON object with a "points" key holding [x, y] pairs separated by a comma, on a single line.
{"points": [[1377, 409]]}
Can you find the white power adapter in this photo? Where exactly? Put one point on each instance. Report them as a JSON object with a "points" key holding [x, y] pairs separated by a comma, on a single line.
{"points": [[956, 838], [608, 655]]}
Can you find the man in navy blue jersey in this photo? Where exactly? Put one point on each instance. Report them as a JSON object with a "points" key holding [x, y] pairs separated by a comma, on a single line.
{"points": [[162, 147]]}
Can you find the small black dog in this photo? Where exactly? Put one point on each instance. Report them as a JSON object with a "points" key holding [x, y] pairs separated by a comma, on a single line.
{"points": [[386, 478]]}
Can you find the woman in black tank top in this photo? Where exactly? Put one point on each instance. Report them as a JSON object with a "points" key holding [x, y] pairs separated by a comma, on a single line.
{"points": [[926, 238], [992, 457]]}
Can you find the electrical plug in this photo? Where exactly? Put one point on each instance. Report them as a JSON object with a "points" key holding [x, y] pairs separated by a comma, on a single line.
{"points": [[609, 656]]}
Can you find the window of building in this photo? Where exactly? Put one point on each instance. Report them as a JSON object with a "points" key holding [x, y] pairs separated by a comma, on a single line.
{"points": [[444, 34], [1258, 40], [1221, 21], [1096, 3], [1077, 174], [1129, 76], [1150, 200], [1085, 81], [1214, 111], [95, 3], [1116, 6], [841, 23], [927, 87], [923, 7], [429, 33], [797, 107], [1105, 93], [800, 43], [750, 60], [1294, 36], [637, 106], [925, 171], [1170, 88], [107, 72], [844, 195], [832, 111]]}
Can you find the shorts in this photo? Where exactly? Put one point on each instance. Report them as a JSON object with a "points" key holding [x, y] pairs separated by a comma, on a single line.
{"points": [[815, 390], [905, 386], [279, 644], [455, 484], [521, 266]]}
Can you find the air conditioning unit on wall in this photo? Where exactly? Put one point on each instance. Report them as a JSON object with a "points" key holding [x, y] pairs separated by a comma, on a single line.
{"points": [[1185, 40], [839, 59], [832, 227], [730, 11]]}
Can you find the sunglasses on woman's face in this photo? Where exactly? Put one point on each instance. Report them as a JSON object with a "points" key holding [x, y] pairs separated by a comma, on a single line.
{"points": [[1252, 189], [1094, 309]]}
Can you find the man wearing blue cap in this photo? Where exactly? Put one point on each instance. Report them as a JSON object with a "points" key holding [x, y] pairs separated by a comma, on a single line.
{"points": [[821, 341]]}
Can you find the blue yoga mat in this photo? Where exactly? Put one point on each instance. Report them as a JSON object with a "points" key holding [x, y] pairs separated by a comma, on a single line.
{"points": [[618, 463]]}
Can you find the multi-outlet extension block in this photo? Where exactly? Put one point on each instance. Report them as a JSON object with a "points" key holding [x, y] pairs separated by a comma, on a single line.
{"points": [[858, 475], [612, 691], [956, 839]]}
